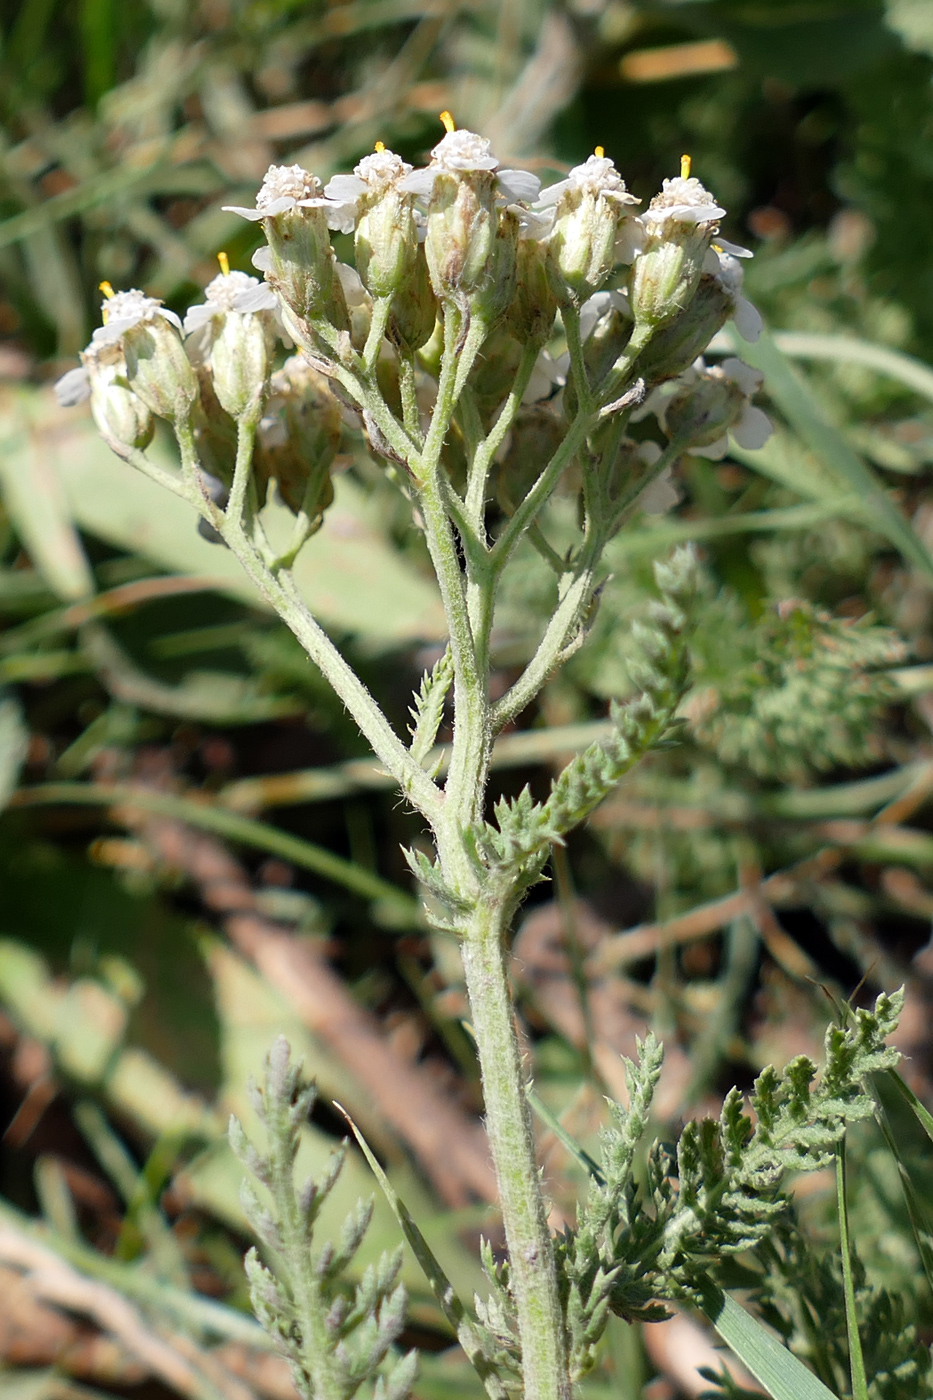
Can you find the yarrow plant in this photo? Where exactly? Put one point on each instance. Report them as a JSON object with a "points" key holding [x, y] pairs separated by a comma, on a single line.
{"points": [[477, 305]]}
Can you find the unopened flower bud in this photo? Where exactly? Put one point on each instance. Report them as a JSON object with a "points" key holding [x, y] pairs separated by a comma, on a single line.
{"points": [[474, 221], [589, 210], [118, 412], [679, 223], [299, 437], [414, 308], [677, 343], [299, 260], [386, 232], [530, 317], [714, 402], [234, 331], [157, 368]]}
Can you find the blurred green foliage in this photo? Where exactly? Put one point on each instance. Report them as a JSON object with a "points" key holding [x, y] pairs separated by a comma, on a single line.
{"points": [[123, 129]]}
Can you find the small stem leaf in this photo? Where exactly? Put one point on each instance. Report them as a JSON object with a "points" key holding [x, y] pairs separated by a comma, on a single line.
{"points": [[428, 709]]}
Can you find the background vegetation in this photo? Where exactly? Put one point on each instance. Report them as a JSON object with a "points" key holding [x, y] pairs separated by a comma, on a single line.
{"points": [[196, 853]]}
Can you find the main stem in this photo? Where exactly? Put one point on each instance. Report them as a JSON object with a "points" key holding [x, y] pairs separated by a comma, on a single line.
{"points": [[532, 1266]]}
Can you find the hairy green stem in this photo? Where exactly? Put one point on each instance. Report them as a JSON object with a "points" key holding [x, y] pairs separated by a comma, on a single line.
{"points": [[178, 485], [571, 319], [377, 329], [532, 1266], [577, 591], [630, 495], [237, 502], [619, 373], [485, 453], [527, 509], [411, 417], [281, 592], [470, 756]]}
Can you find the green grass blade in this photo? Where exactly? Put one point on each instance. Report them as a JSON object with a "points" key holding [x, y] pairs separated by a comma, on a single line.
{"points": [[653, 539], [760, 1351], [802, 411], [924, 1118], [842, 349], [856, 1359], [443, 1289], [906, 1124], [553, 1125], [99, 44], [401, 910]]}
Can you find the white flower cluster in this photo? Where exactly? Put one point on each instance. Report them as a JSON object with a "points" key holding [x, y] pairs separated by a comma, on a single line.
{"points": [[468, 245]]}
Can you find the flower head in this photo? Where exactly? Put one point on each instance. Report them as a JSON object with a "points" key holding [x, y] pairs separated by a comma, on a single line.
{"points": [[679, 224], [375, 176], [102, 377], [683, 200], [464, 150], [299, 259], [596, 177], [467, 153], [387, 233], [233, 334], [589, 234], [472, 223], [229, 292], [157, 368], [289, 187], [123, 310]]}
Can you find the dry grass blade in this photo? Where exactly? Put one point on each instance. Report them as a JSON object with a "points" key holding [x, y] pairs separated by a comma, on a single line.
{"points": [[177, 1362]]}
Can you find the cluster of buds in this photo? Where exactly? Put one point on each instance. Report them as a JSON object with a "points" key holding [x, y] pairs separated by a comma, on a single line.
{"points": [[460, 245]]}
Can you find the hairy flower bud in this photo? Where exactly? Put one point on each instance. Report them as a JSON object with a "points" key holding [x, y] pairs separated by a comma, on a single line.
{"points": [[414, 308], [157, 368], [679, 223], [677, 343], [386, 232], [530, 317], [234, 332], [471, 240], [298, 437], [584, 244], [118, 412], [462, 216], [714, 402], [299, 260]]}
